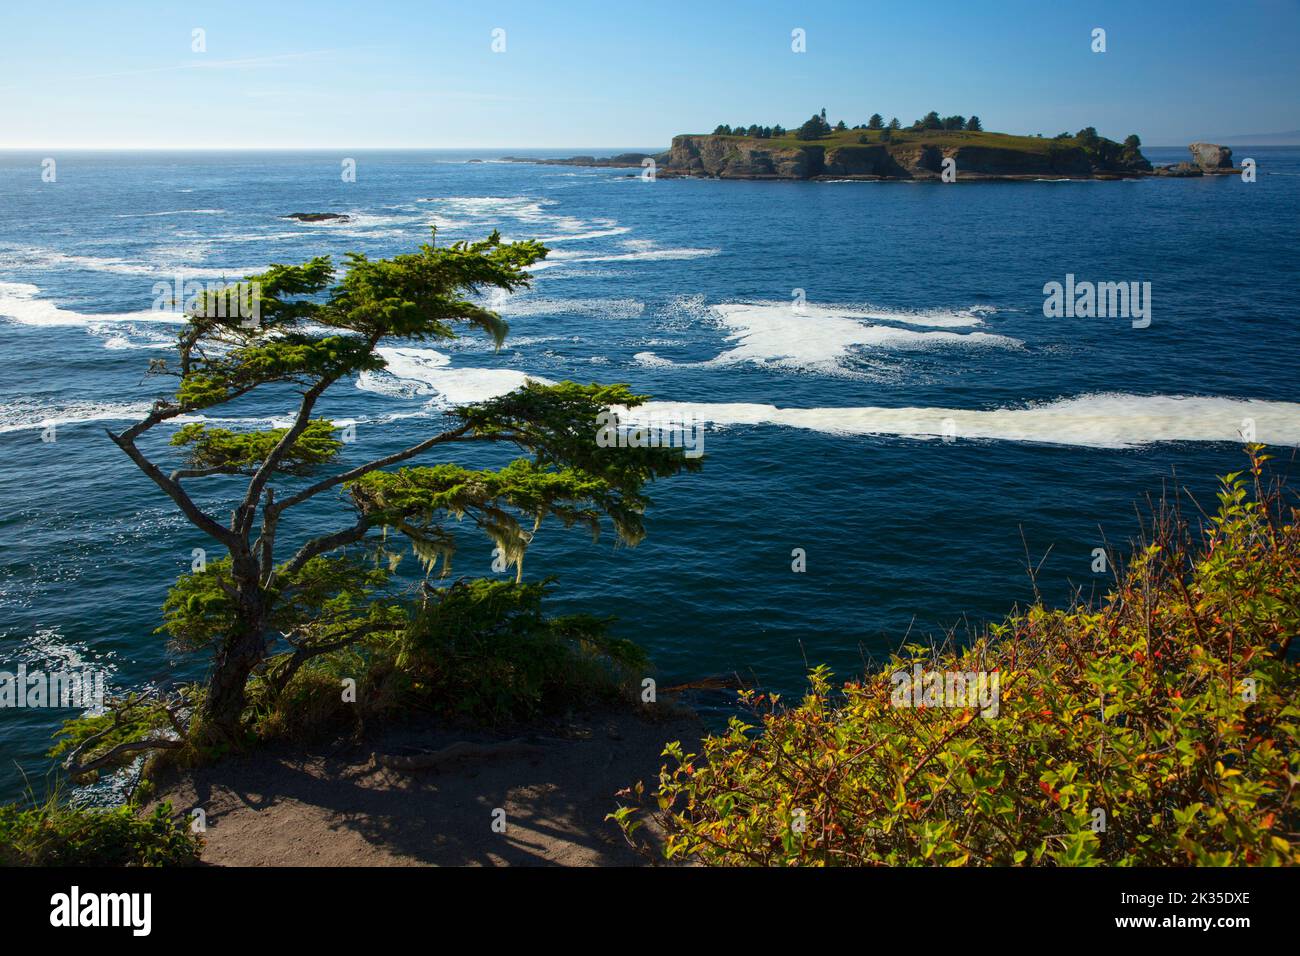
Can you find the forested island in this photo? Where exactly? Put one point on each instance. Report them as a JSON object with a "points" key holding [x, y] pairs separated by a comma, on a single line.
{"points": [[880, 150]]}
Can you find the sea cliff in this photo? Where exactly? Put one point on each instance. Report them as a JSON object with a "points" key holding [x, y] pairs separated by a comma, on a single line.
{"points": [[904, 155]]}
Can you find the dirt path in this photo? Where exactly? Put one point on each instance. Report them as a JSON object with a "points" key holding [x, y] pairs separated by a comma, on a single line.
{"points": [[338, 807]]}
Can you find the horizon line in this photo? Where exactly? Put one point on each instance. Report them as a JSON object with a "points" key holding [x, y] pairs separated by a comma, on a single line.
{"points": [[364, 149], [286, 149]]}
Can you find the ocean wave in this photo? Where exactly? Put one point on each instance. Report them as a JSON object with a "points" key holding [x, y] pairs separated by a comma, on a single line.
{"points": [[650, 360], [820, 338], [1103, 420], [19, 302], [118, 339], [594, 234], [646, 255], [415, 372], [171, 212], [472, 212], [524, 305], [165, 263], [28, 414], [1100, 420]]}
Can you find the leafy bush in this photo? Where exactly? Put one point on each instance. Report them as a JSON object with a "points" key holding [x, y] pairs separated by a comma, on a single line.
{"points": [[56, 834], [478, 652], [1171, 709]]}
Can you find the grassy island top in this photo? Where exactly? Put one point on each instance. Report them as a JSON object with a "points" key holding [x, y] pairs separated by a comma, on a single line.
{"points": [[853, 137], [929, 130]]}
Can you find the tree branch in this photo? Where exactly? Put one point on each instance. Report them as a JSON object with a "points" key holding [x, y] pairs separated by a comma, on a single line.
{"points": [[198, 518], [326, 543], [156, 743], [180, 473], [242, 520], [327, 483], [304, 652]]}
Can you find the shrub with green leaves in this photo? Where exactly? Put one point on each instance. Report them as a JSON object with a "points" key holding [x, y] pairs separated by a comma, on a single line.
{"points": [[1157, 729], [477, 653], [56, 834]]}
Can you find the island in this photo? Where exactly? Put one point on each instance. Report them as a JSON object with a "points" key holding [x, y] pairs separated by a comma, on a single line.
{"points": [[880, 151]]}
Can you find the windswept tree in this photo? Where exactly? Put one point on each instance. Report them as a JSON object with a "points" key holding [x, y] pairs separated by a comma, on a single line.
{"points": [[876, 122], [304, 592], [815, 127], [974, 125]]}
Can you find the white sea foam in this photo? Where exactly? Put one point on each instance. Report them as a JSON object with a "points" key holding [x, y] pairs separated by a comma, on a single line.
{"points": [[470, 213], [1103, 420], [819, 338], [650, 360], [593, 234], [30, 414], [18, 301], [413, 372], [469, 210], [171, 212], [646, 255], [523, 305], [1107, 420], [163, 262]]}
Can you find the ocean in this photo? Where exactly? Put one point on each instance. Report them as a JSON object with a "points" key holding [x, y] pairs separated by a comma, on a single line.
{"points": [[883, 396]]}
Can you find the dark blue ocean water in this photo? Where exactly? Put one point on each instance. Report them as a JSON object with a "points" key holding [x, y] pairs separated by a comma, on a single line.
{"points": [[920, 297]]}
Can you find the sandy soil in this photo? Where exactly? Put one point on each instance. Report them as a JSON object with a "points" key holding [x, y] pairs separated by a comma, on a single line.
{"points": [[337, 806]]}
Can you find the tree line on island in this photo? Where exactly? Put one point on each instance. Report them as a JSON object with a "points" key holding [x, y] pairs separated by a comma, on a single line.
{"points": [[818, 127]]}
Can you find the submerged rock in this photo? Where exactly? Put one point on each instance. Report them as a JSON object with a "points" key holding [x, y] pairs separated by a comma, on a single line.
{"points": [[1179, 170]]}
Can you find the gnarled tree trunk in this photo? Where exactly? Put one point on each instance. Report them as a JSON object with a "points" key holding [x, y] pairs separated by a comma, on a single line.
{"points": [[242, 650]]}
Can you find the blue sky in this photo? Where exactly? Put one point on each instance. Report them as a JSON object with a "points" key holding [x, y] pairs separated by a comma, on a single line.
{"points": [[393, 73]]}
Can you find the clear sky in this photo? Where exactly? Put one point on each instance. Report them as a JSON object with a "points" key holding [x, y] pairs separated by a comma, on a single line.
{"points": [[422, 73]]}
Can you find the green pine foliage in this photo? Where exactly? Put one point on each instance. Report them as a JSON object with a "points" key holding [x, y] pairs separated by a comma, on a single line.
{"points": [[287, 619]]}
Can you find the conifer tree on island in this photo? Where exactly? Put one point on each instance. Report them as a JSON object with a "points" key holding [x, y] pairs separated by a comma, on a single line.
{"points": [[275, 600]]}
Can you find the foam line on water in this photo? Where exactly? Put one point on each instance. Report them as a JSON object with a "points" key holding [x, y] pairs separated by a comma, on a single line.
{"points": [[413, 372], [18, 301], [1106, 420], [820, 338], [1101, 420]]}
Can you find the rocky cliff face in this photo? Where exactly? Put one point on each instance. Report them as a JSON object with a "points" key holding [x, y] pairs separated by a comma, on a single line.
{"points": [[728, 158], [1211, 156], [731, 158]]}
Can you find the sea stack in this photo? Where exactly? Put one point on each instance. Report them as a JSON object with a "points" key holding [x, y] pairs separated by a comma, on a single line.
{"points": [[1210, 156]]}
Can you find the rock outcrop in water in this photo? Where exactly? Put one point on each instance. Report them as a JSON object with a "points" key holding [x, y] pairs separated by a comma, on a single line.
{"points": [[1211, 156], [1208, 158]]}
